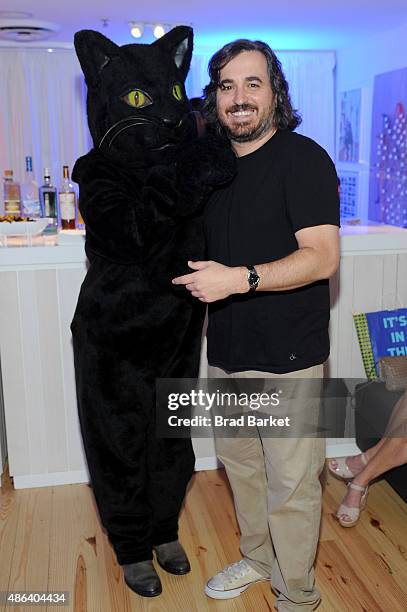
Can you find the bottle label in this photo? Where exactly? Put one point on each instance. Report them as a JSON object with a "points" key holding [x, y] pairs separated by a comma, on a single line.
{"points": [[67, 205], [49, 204], [47, 207], [31, 208], [12, 199], [12, 207]]}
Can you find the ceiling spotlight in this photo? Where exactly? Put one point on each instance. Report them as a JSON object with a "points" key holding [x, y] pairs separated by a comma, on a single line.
{"points": [[158, 30], [136, 29]]}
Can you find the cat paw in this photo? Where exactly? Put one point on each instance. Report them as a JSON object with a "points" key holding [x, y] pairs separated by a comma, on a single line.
{"points": [[207, 161]]}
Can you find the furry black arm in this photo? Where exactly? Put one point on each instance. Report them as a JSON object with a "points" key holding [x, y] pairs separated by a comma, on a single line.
{"points": [[122, 220]]}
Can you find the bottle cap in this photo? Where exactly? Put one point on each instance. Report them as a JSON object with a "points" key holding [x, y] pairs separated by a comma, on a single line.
{"points": [[47, 172], [8, 173]]}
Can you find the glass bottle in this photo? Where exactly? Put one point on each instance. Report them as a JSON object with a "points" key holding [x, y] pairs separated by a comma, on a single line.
{"points": [[30, 201], [67, 201], [49, 203], [12, 195]]}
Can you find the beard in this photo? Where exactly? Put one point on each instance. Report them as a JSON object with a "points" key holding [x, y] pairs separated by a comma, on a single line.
{"points": [[247, 132]]}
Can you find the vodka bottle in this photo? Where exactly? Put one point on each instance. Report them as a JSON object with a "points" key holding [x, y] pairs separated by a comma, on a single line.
{"points": [[30, 201], [12, 195], [67, 201], [49, 203]]}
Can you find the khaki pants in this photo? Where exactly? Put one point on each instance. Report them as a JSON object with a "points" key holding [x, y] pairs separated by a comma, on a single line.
{"points": [[277, 495]]}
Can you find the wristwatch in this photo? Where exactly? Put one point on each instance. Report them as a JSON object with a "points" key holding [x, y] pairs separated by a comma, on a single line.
{"points": [[252, 278]]}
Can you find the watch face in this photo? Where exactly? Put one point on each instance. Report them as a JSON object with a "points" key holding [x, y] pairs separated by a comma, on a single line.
{"points": [[253, 278]]}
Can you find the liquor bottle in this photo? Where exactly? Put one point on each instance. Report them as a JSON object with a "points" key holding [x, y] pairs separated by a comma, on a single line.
{"points": [[49, 205], [12, 195], [30, 201], [67, 201]]}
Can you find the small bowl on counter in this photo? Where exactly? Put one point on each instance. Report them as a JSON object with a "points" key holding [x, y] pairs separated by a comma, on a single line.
{"points": [[22, 227]]}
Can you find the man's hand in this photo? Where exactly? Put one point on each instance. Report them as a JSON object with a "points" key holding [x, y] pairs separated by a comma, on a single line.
{"points": [[316, 258], [213, 281]]}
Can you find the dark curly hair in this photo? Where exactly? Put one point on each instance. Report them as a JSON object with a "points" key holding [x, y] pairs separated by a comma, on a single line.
{"points": [[285, 117]]}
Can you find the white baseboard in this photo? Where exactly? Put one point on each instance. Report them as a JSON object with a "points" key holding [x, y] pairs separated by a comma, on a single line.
{"points": [[202, 463], [30, 481], [48, 480]]}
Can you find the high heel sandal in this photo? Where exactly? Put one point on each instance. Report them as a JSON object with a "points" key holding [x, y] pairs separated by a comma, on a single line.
{"points": [[352, 512], [342, 470]]}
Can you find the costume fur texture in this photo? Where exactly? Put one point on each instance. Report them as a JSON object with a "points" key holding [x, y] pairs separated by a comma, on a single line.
{"points": [[142, 189]]}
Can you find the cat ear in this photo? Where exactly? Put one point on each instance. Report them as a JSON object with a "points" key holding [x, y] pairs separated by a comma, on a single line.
{"points": [[94, 52], [178, 43]]}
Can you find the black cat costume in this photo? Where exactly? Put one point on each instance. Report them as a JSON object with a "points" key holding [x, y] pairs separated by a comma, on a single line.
{"points": [[142, 189]]}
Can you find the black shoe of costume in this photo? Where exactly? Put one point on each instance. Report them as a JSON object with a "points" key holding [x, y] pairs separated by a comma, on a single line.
{"points": [[142, 578], [172, 558]]}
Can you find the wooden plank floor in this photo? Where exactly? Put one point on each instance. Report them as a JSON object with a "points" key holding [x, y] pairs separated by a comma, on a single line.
{"points": [[51, 539]]}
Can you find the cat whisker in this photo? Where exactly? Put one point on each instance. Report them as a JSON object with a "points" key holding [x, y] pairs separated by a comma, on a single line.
{"points": [[133, 121]]}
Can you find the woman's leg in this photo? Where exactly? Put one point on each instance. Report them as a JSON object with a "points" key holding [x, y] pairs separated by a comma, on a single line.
{"points": [[397, 419], [392, 453], [355, 463]]}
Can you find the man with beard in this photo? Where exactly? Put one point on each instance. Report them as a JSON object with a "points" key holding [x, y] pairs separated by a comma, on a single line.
{"points": [[272, 238]]}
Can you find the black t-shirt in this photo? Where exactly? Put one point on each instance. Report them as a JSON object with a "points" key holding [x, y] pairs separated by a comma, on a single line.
{"points": [[287, 184]]}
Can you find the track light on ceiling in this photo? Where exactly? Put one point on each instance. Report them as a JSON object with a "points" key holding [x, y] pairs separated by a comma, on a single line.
{"points": [[159, 30], [136, 29]]}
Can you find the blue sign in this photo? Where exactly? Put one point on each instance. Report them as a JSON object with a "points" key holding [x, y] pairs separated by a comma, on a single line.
{"points": [[388, 333]]}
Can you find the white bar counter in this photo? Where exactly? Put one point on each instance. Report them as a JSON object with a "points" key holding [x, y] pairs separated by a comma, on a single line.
{"points": [[65, 249], [39, 285]]}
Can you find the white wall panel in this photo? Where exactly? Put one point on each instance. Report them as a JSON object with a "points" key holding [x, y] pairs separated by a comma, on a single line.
{"points": [[401, 287], [3, 440], [13, 375], [389, 282], [346, 336], [33, 382], [331, 367], [51, 370], [68, 286]]}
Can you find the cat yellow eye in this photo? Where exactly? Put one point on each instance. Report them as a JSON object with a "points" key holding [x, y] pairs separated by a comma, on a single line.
{"points": [[137, 99], [177, 92]]}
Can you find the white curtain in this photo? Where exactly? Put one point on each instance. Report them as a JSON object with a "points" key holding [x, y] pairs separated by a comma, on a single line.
{"points": [[43, 110], [311, 79]]}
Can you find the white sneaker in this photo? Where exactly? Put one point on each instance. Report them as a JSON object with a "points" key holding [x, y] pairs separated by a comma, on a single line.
{"points": [[232, 581]]}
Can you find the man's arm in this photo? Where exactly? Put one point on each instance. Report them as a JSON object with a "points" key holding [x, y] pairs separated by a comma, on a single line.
{"points": [[317, 258]]}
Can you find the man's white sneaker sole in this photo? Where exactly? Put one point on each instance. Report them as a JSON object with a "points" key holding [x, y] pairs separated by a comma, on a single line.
{"points": [[230, 593]]}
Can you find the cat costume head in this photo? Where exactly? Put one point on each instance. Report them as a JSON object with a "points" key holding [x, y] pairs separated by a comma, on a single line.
{"points": [[138, 111]]}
